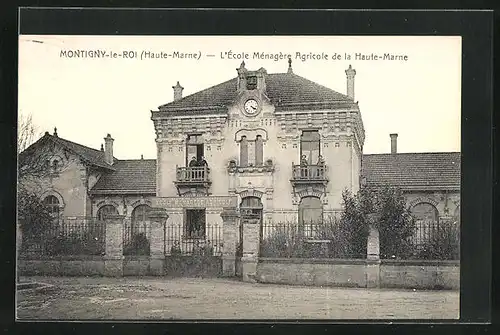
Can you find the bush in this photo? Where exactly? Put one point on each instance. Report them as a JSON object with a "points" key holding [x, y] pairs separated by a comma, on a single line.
{"points": [[443, 244], [74, 244], [284, 241]]}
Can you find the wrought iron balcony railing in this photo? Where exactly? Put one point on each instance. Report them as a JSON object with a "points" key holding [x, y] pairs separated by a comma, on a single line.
{"points": [[309, 173]]}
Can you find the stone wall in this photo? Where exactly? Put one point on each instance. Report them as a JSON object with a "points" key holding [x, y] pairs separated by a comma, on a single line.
{"points": [[358, 273]]}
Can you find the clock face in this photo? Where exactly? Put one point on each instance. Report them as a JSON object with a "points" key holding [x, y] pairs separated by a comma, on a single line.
{"points": [[251, 106]]}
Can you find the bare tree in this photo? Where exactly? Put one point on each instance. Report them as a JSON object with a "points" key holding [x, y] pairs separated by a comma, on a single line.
{"points": [[27, 132]]}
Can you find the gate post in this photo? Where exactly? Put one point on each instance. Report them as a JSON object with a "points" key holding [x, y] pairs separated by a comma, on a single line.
{"points": [[251, 242], [113, 259], [230, 218], [373, 256], [158, 218]]}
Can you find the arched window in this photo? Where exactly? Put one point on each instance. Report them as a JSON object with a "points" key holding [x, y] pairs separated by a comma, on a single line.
{"points": [[140, 218], [52, 204], [243, 151], [106, 210], [251, 209], [426, 220], [259, 151]]}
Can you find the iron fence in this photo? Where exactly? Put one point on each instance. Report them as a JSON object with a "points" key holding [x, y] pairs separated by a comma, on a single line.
{"points": [[179, 240], [66, 236], [311, 240], [136, 238], [436, 240]]}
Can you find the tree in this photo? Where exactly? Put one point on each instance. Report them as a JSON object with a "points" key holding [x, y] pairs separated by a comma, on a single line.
{"points": [[26, 132], [394, 221]]}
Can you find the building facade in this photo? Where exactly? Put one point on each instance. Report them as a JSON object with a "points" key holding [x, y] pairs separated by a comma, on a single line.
{"points": [[278, 146]]}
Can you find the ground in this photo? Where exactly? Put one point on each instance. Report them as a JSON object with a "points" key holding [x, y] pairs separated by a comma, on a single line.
{"points": [[196, 298]]}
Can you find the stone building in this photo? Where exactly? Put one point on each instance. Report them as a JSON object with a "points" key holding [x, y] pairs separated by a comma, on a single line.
{"points": [[277, 146]]}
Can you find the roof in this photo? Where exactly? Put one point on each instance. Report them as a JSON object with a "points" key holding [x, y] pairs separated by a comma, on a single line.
{"points": [[433, 170], [89, 155], [283, 89], [137, 176], [410, 171]]}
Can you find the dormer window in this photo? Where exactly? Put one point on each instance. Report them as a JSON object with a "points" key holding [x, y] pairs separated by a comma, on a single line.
{"points": [[251, 82]]}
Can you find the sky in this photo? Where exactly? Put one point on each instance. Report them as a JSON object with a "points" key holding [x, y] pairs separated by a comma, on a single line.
{"points": [[86, 98]]}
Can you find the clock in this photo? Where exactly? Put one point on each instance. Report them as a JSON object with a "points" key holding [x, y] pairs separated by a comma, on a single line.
{"points": [[251, 106]]}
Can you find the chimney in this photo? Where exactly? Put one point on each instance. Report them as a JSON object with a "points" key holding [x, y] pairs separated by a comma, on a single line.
{"points": [[177, 91], [350, 72], [108, 149], [394, 143]]}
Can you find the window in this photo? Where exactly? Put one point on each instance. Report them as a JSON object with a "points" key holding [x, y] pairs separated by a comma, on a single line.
{"points": [[251, 209], [251, 82], [259, 151], [310, 215], [140, 218], [310, 211], [243, 151], [106, 210], [194, 148], [309, 146], [52, 204], [426, 220], [195, 223]]}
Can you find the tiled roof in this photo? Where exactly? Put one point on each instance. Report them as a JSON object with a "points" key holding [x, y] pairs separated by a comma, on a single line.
{"points": [[439, 170], [92, 156], [130, 176], [89, 155], [407, 170], [283, 89]]}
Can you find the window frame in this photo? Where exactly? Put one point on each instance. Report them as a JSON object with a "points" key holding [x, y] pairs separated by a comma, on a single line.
{"points": [[302, 142]]}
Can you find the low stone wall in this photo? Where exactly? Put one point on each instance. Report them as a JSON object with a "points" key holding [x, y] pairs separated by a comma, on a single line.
{"points": [[360, 273], [136, 266], [62, 266], [185, 266], [420, 274], [317, 272]]}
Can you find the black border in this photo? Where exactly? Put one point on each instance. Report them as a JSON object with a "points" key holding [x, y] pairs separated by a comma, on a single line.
{"points": [[476, 28]]}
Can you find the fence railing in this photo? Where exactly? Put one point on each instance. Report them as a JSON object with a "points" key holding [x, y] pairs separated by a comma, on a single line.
{"points": [[193, 174], [66, 236], [136, 238], [435, 240], [180, 241], [309, 172], [313, 240]]}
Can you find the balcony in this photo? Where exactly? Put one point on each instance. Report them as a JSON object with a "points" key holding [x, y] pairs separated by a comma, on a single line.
{"points": [[192, 178], [310, 175]]}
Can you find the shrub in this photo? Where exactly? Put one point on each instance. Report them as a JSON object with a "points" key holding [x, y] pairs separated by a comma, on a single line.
{"points": [[444, 243]]}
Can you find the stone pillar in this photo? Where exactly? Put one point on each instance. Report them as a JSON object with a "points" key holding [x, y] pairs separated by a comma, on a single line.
{"points": [[158, 218], [113, 260], [373, 258], [230, 220], [251, 241]]}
